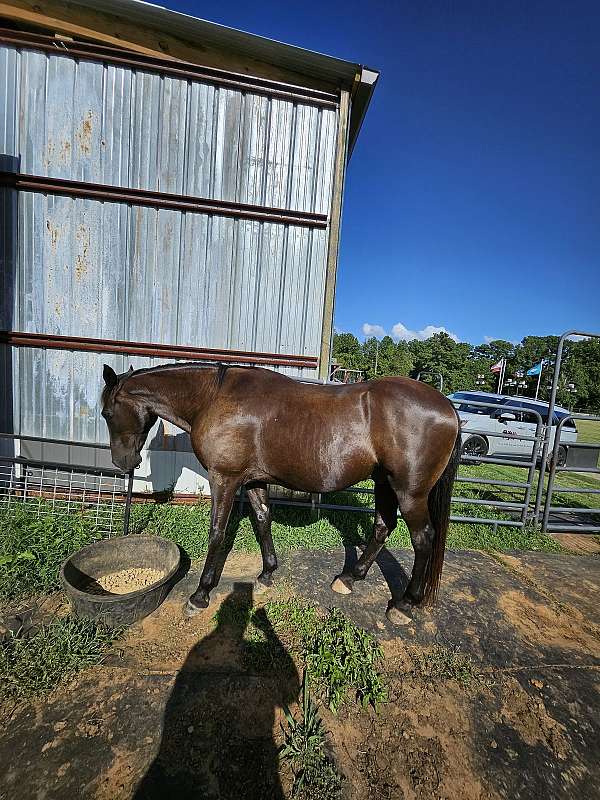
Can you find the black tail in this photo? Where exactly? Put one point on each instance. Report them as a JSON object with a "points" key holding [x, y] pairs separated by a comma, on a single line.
{"points": [[439, 512]]}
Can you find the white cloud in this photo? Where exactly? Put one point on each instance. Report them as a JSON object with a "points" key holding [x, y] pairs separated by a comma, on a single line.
{"points": [[490, 339], [401, 333], [373, 330]]}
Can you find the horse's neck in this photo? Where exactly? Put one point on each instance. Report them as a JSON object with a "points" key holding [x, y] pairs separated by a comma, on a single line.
{"points": [[179, 395]]}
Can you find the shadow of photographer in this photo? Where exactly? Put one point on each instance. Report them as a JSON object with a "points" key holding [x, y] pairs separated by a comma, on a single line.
{"points": [[217, 739]]}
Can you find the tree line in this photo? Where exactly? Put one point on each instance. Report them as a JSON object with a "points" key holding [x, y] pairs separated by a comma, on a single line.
{"points": [[460, 364]]}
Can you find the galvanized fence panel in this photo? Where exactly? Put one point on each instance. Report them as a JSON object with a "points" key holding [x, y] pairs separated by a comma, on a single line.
{"points": [[45, 488], [558, 512], [539, 500]]}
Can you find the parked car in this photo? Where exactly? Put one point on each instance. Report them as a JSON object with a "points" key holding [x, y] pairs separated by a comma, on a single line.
{"points": [[510, 417]]}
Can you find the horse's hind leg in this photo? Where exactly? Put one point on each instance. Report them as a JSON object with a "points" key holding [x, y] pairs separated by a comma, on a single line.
{"points": [[222, 491], [415, 513], [386, 518], [259, 500]]}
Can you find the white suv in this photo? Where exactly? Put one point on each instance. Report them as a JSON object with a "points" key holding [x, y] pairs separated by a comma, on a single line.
{"points": [[511, 417]]}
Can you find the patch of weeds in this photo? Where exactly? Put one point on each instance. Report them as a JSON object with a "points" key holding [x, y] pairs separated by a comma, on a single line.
{"points": [[32, 550], [448, 663], [296, 617], [34, 664], [315, 777], [342, 657], [339, 656]]}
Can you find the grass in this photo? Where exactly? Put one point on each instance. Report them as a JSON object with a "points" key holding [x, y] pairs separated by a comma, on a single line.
{"points": [[340, 659], [588, 431], [315, 777], [32, 550], [34, 664], [446, 663]]}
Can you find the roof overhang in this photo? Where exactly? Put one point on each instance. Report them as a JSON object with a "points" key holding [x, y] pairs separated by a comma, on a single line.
{"points": [[359, 80]]}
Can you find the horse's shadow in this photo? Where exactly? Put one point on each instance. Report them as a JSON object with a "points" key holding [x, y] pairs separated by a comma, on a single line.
{"points": [[354, 530]]}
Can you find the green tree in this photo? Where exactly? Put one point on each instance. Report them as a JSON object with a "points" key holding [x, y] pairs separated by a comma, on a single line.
{"points": [[452, 360], [348, 351]]}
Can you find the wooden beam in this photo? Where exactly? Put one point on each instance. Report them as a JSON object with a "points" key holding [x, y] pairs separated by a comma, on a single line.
{"points": [[335, 221]]}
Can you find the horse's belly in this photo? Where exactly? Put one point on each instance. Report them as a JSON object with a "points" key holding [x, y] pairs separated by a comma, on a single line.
{"points": [[323, 468]]}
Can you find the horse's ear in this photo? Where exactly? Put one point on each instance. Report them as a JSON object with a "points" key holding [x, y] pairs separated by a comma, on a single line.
{"points": [[110, 376], [130, 368]]}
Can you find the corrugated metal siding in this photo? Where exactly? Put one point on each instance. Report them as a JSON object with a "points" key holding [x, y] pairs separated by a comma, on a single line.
{"points": [[82, 120], [109, 270]]}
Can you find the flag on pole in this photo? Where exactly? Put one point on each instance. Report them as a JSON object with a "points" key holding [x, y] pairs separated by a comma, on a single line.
{"points": [[535, 370], [498, 367]]}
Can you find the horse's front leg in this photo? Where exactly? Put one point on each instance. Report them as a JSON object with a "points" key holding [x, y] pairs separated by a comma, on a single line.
{"points": [[259, 500], [222, 490]]}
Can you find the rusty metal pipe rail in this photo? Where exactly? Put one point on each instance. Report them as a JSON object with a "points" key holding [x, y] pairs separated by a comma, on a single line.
{"points": [[88, 190]]}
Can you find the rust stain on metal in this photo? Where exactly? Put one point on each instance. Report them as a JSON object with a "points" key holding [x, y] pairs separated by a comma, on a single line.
{"points": [[84, 134], [54, 231], [81, 262], [64, 154]]}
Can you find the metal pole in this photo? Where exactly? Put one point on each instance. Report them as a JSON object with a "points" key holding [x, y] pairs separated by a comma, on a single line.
{"points": [[128, 504], [502, 373], [537, 391]]}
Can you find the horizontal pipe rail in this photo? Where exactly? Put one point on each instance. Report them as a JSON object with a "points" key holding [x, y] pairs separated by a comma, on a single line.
{"points": [[171, 67], [574, 510], [573, 490], [97, 471], [504, 523], [564, 528], [475, 501], [160, 200], [40, 440], [491, 482], [82, 344], [497, 435], [501, 462], [593, 470]]}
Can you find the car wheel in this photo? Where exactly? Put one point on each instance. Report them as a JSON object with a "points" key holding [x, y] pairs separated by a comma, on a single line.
{"points": [[474, 446], [561, 457]]}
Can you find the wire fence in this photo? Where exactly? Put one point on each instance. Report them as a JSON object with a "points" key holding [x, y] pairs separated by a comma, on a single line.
{"points": [[48, 489]]}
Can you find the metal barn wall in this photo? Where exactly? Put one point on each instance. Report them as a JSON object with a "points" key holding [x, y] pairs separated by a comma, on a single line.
{"points": [[120, 271]]}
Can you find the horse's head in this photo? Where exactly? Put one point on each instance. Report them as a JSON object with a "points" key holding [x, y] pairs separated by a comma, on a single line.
{"points": [[128, 417]]}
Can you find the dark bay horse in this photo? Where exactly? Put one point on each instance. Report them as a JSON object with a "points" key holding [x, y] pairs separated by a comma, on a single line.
{"points": [[251, 427]]}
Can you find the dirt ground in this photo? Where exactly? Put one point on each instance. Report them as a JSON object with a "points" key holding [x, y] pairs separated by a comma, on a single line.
{"points": [[175, 713]]}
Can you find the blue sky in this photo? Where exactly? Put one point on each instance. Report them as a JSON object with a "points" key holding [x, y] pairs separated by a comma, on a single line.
{"points": [[473, 195]]}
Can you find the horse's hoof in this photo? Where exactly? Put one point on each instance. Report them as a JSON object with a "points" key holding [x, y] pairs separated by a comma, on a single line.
{"points": [[260, 587], [341, 585], [191, 610], [397, 617]]}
